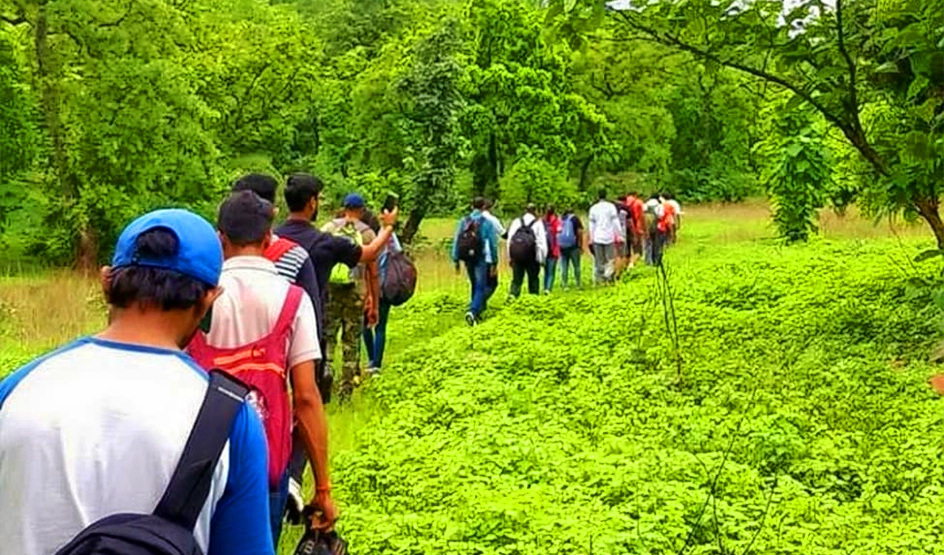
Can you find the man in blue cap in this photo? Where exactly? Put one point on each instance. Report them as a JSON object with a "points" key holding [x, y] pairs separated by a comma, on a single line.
{"points": [[352, 293], [96, 428]]}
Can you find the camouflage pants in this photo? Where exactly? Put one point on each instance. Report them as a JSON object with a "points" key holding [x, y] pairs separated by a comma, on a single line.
{"points": [[345, 317]]}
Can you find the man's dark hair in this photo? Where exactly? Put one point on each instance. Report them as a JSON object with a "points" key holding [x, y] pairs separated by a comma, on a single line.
{"points": [[621, 198], [245, 218], [263, 185], [489, 204], [300, 188], [667, 196], [531, 208], [601, 194], [479, 203], [157, 287]]}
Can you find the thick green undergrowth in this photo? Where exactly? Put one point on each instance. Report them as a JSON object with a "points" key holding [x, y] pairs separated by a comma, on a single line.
{"points": [[800, 421]]}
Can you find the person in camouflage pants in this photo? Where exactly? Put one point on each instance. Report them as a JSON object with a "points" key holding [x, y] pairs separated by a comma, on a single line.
{"points": [[345, 315], [352, 294]]}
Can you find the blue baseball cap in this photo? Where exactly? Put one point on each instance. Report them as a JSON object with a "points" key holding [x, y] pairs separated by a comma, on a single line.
{"points": [[199, 253], [353, 200]]}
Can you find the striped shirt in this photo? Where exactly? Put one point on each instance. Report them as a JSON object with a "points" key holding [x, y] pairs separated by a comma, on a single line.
{"points": [[296, 266]]}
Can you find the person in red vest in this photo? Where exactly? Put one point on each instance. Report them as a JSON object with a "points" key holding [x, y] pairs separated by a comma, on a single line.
{"points": [[636, 227]]}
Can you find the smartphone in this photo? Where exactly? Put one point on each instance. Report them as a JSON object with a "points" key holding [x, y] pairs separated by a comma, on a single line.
{"points": [[391, 202]]}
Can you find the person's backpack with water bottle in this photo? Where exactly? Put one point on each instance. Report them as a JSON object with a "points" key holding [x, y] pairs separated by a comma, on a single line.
{"points": [[567, 238]]}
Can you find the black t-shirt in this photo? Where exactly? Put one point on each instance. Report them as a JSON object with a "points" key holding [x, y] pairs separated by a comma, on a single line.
{"points": [[325, 250]]}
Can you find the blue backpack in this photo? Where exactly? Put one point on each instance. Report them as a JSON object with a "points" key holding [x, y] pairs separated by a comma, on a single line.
{"points": [[567, 237]]}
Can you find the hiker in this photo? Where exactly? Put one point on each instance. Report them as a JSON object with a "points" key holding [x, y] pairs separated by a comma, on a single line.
{"points": [[97, 427], [604, 228], [500, 232], [327, 251], [653, 212], [674, 212], [622, 236], [570, 241], [262, 329], [293, 263], [476, 244], [552, 228], [376, 338], [527, 251], [352, 292], [636, 232]]}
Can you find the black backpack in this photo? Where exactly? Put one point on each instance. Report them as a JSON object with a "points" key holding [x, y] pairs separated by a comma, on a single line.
{"points": [[523, 248], [169, 531], [399, 281], [470, 240]]}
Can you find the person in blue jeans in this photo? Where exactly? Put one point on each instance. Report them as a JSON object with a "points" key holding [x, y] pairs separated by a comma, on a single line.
{"points": [[570, 240], [376, 339], [476, 244]]}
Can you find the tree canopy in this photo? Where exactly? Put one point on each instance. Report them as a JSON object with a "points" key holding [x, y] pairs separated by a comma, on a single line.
{"points": [[111, 108]]}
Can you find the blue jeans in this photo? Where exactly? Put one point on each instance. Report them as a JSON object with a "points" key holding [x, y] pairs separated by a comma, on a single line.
{"points": [[550, 271], [571, 257], [479, 282], [277, 501], [376, 338]]}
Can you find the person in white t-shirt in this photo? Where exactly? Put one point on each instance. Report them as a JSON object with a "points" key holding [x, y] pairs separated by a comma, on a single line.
{"points": [[604, 231], [97, 427], [247, 310]]}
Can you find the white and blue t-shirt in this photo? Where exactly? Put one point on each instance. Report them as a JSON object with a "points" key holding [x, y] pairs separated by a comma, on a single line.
{"points": [[96, 428]]}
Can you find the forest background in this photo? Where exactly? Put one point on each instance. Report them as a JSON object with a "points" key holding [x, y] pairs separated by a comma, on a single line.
{"points": [[110, 108]]}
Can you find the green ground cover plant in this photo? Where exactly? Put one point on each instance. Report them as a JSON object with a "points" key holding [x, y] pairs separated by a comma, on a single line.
{"points": [[801, 421]]}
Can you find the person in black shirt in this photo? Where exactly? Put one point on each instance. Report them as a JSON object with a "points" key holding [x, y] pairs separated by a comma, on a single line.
{"points": [[302, 195]]}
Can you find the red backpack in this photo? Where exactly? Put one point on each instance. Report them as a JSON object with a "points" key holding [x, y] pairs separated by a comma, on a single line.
{"points": [[263, 366]]}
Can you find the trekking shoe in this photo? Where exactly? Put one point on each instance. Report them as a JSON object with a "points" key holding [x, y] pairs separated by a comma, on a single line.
{"points": [[470, 318], [372, 370], [294, 505]]}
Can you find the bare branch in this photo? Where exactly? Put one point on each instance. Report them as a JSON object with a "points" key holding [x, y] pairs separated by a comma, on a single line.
{"points": [[760, 73], [853, 94]]}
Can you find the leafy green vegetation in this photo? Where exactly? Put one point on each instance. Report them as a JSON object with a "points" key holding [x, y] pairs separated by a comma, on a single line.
{"points": [[802, 422]]}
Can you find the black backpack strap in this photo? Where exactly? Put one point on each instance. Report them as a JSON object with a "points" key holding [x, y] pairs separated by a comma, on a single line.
{"points": [[190, 484]]}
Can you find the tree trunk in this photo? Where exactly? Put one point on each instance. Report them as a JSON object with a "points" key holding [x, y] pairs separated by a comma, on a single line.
{"points": [[412, 225], [928, 208], [585, 173], [86, 258], [49, 93]]}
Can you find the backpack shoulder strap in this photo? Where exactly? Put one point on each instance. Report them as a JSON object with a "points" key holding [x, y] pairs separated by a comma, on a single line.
{"points": [[289, 309], [190, 484]]}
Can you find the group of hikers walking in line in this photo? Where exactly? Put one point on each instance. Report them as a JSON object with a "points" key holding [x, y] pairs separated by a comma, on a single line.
{"points": [[186, 424], [619, 234]]}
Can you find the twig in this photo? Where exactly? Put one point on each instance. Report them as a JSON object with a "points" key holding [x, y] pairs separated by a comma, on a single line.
{"points": [[714, 482], [763, 517]]}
